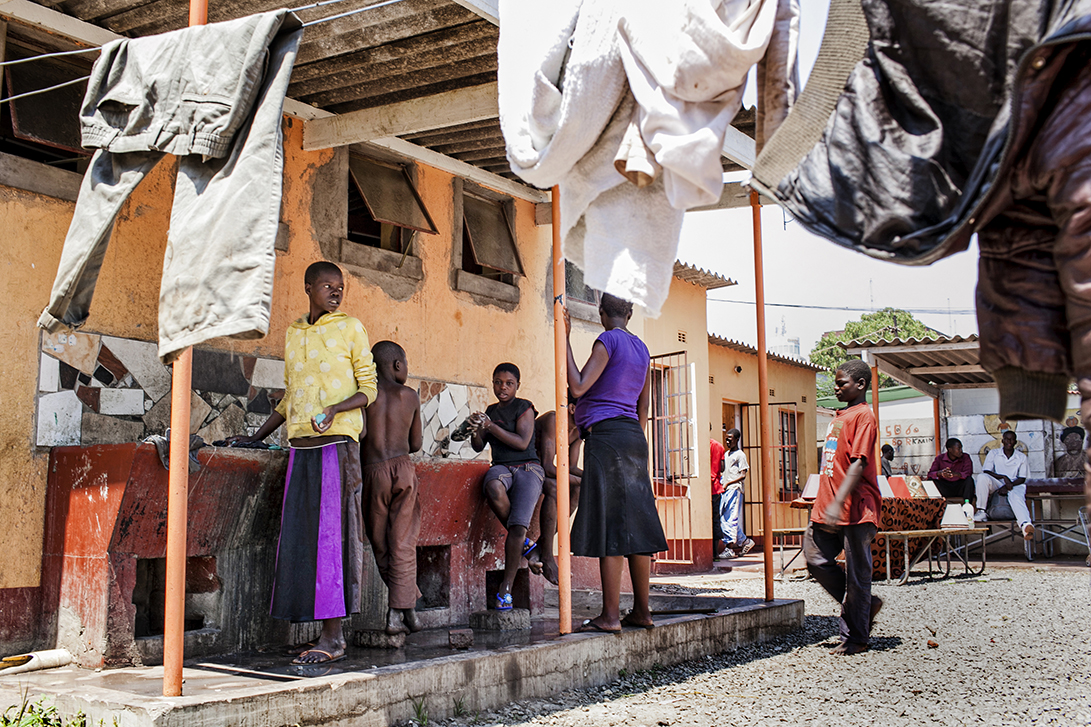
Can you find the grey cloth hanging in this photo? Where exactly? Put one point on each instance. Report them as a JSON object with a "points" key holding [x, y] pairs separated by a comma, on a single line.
{"points": [[214, 96]]}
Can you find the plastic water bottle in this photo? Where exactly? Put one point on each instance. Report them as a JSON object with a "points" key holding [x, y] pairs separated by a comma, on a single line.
{"points": [[968, 510]]}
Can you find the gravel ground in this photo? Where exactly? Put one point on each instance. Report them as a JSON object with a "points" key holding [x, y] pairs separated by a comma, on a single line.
{"points": [[1014, 649]]}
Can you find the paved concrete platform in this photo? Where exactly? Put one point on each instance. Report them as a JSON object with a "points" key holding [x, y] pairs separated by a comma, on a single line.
{"points": [[381, 687]]}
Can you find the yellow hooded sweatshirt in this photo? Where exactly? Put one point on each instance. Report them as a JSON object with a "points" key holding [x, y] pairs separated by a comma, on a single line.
{"points": [[325, 364]]}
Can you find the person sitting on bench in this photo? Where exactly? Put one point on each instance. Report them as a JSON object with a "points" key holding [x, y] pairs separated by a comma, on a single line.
{"points": [[953, 473], [1005, 471]]}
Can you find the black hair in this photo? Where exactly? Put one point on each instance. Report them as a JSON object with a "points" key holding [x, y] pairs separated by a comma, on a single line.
{"points": [[316, 269], [952, 442], [387, 352], [1072, 430], [615, 307], [886, 447], [856, 369], [736, 432], [509, 367], [1006, 432]]}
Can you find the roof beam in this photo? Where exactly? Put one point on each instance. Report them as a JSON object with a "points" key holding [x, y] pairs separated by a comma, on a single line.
{"points": [[740, 148], [460, 169], [406, 117], [51, 21], [885, 367], [734, 195], [963, 369], [488, 9]]}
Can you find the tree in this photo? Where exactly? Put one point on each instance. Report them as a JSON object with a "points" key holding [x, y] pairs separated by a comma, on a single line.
{"points": [[886, 324]]}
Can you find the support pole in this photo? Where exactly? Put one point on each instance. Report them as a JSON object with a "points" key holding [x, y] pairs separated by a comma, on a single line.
{"points": [[177, 512], [174, 607], [935, 424], [875, 409], [560, 343], [763, 400]]}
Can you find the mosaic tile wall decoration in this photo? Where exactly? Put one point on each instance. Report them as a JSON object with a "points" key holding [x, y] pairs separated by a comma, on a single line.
{"points": [[442, 407], [96, 389], [104, 390]]}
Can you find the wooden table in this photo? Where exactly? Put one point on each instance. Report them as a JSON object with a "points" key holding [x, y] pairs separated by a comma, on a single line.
{"points": [[933, 535]]}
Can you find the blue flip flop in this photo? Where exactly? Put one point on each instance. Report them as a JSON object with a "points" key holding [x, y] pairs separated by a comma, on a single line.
{"points": [[503, 603], [528, 547]]}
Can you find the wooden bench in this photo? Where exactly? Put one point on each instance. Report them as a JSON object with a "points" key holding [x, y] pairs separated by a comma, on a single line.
{"points": [[961, 554]]}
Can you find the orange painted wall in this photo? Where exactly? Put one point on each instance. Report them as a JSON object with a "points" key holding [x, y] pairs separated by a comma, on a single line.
{"points": [[447, 335]]}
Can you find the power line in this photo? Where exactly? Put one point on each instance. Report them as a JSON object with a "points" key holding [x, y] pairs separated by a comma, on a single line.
{"points": [[943, 311]]}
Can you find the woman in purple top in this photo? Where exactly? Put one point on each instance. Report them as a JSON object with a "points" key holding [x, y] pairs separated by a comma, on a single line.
{"points": [[617, 518]]}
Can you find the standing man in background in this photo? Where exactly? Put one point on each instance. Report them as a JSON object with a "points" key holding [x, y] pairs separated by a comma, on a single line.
{"points": [[735, 468], [716, 459]]}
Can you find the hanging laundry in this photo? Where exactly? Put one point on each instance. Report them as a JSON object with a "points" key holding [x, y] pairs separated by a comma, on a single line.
{"points": [[951, 119], [624, 105], [213, 95]]}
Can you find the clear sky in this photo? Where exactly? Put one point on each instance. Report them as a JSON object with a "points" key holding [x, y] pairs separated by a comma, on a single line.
{"points": [[804, 269]]}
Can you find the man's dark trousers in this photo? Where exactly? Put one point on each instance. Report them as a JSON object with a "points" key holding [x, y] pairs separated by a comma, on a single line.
{"points": [[850, 586]]}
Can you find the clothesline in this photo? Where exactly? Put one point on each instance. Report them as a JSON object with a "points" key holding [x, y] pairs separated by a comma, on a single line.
{"points": [[346, 14], [57, 54], [44, 90]]}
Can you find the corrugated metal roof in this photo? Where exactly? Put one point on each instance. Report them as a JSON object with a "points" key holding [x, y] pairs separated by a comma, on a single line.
{"points": [[944, 361], [744, 348], [699, 276]]}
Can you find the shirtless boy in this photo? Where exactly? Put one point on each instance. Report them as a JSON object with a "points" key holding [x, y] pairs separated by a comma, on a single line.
{"points": [[391, 507], [545, 428]]}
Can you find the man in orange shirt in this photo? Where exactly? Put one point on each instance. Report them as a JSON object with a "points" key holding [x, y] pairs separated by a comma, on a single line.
{"points": [[717, 460], [846, 510]]}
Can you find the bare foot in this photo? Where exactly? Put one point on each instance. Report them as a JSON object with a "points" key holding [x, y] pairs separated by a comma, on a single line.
{"points": [[409, 618], [394, 623], [534, 561], [549, 571]]}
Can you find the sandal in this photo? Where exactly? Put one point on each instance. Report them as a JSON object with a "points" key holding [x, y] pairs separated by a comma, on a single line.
{"points": [[590, 626], [528, 547], [330, 658], [503, 603]]}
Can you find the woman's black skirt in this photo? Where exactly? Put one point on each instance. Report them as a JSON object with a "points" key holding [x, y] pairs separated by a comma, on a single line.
{"points": [[617, 514]]}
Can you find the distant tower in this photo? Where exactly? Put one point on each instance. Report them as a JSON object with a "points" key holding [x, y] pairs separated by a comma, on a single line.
{"points": [[782, 344]]}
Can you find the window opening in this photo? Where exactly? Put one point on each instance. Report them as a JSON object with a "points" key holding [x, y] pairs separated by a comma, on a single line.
{"points": [[575, 287], [673, 439], [488, 238], [789, 457], [385, 209], [43, 128]]}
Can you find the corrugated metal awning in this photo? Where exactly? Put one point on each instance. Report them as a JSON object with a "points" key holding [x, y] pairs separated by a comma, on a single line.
{"points": [[928, 365]]}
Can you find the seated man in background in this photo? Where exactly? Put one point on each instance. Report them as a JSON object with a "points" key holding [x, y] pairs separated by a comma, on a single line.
{"points": [[886, 460], [953, 472], [1005, 471]]}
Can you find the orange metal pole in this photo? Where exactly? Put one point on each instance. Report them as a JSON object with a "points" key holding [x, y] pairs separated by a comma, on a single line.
{"points": [[763, 399], [935, 424], [875, 409], [174, 607], [560, 343], [177, 512]]}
